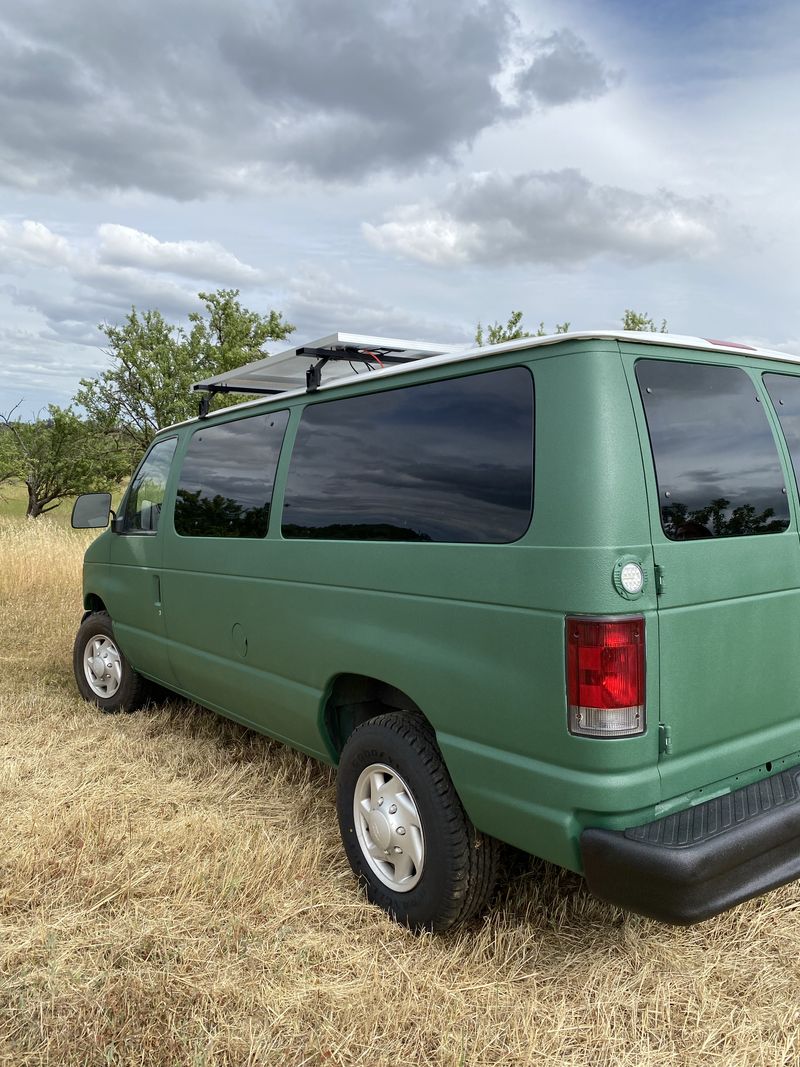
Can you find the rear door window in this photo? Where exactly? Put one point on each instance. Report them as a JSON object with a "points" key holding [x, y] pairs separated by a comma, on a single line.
{"points": [[442, 461], [784, 391], [226, 481], [716, 460]]}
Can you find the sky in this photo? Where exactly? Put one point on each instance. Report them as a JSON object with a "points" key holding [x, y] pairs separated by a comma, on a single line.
{"points": [[404, 168]]}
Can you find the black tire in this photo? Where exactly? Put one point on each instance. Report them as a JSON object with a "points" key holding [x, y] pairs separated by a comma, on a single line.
{"points": [[459, 865], [131, 692]]}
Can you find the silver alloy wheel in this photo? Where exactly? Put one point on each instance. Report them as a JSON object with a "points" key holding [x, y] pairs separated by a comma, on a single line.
{"points": [[388, 827], [102, 666]]}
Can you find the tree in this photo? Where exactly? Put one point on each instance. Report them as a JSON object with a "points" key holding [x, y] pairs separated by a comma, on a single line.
{"points": [[10, 470], [640, 321], [154, 363], [231, 335], [497, 333], [61, 455]]}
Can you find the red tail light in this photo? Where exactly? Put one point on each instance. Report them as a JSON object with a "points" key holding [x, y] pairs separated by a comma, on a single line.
{"points": [[605, 676]]}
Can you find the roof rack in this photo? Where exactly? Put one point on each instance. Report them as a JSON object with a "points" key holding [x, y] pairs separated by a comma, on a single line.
{"points": [[338, 354]]}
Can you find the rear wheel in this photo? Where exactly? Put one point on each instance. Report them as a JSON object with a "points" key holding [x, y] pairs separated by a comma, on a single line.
{"points": [[404, 829], [102, 672]]}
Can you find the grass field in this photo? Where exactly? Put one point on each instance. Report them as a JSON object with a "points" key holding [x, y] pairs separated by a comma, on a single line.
{"points": [[172, 892], [14, 503]]}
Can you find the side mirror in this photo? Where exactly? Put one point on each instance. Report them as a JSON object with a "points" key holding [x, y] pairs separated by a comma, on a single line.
{"points": [[91, 511]]}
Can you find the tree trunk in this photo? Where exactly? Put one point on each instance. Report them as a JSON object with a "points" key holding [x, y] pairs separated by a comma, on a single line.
{"points": [[34, 504]]}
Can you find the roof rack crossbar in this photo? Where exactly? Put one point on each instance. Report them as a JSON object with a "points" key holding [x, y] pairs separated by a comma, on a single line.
{"points": [[359, 353], [209, 391]]}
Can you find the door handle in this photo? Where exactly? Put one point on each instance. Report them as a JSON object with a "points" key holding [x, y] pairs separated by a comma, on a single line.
{"points": [[157, 591]]}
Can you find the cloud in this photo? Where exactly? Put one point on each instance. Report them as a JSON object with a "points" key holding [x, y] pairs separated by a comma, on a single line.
{"points": [[207, 98], [553, 217], [126, 247], [56, 288], [320, 303], [31, 243], [98, 277], [36, 371], [563, 71]]}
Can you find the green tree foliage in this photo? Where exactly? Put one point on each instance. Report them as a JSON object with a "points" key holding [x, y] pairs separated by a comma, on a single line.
{"points": [[230, 335], [218, 516], [61, 455], [513, 330], [10, 470], [497, 332], [713, 520], [153, 363], [640, 321]]}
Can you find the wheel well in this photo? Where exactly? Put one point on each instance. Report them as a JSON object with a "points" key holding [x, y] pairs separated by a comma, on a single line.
{"points": [[92, 603], [356, 698]]}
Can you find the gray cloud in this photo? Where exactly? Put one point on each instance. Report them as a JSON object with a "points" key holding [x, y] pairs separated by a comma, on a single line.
{"points": [[320, 303], [565, 70], [36, 369], [63, 314], [102, 296], [555, 217], [198, 99]]}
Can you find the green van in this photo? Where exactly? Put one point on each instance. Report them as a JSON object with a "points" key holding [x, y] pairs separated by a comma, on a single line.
{"points": [[544, 593]]}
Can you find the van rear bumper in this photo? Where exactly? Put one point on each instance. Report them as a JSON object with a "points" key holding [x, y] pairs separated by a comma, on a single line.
{"points": [[693, 864]]}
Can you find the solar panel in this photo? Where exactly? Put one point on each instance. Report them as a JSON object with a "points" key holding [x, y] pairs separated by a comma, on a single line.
{"points": [[342, 354]]}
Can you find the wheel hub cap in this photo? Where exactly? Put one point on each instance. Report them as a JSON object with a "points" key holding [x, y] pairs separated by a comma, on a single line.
{"points": [[99, 667], [102, 666], [380, 829], [389, 827]]}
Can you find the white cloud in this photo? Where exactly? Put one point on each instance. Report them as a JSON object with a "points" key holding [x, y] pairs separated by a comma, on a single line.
{"points": [[31, 242], [555, 217], [102, 274], [127, 247], [427, 233]]}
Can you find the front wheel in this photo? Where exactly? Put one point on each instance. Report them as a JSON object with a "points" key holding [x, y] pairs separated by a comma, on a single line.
{"points": [[103, 674], [405, 832]]}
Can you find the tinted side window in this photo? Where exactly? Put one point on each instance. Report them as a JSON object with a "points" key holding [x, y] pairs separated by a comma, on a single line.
{"points": [[146, 494], [225, 486], [716, 462], [443, 461], [784, 391]]}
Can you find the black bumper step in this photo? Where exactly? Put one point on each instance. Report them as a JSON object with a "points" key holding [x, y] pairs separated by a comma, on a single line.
{"points": [[696, 863]]}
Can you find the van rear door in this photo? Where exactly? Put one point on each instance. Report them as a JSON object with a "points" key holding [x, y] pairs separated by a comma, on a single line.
{"points": [[725, 544]]}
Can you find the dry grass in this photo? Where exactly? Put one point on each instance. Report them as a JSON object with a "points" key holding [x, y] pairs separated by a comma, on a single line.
{"points": [[172, 892]]}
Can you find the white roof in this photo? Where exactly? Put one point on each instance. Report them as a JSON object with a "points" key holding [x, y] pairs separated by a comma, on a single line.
{"points": [[290, 377], [287, 370]]}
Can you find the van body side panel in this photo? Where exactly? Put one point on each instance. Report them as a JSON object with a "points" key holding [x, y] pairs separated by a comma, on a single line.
{"points": [[130, 593], [473, 634], [729, 620]]}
